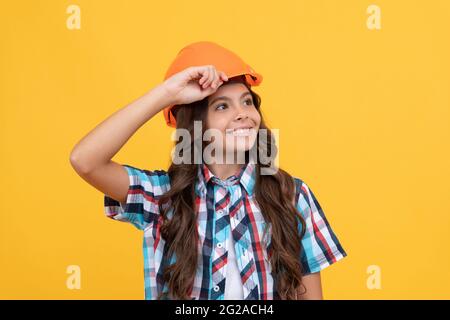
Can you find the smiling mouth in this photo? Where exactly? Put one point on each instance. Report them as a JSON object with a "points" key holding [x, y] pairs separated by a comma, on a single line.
{"points": [[242, 132]]}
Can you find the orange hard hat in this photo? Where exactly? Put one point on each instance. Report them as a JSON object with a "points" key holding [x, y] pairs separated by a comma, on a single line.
{"points": [[209, 53]]}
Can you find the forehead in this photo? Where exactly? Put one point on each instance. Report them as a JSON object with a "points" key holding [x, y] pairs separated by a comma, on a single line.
{"points": [[229, 90]]}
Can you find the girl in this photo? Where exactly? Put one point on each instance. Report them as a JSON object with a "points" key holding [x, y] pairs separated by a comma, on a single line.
{"points": [[212, 229]]}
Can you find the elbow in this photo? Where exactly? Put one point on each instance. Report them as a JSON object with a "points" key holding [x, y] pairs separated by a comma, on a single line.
{"points": [[77, 164]]}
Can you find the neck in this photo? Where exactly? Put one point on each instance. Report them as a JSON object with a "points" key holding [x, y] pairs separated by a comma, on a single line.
{"points": [[229, 168], [224, 171]]}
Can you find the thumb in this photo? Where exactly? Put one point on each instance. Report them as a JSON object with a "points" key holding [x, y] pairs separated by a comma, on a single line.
{"points": [[207, 91]]}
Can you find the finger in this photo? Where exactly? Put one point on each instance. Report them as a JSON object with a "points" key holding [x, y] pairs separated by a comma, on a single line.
{"points": [[210, 78], [215, 83], [207, 77], [209, 90], [205, 73], [223, 76], [219, 79]]}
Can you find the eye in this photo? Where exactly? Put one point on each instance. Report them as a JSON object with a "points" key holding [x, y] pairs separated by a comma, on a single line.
{"points": [[249, 99], [219, 105]]}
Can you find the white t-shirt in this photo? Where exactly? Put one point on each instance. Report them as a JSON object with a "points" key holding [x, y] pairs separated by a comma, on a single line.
{"points": [[233, 283]]}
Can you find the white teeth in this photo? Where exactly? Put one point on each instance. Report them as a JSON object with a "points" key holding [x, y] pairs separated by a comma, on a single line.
{"points": [[240, 132]]}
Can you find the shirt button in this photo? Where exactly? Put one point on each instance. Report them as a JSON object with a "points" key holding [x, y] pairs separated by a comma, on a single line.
{"points": [[219, 245], [220, 211], [216, 288]]}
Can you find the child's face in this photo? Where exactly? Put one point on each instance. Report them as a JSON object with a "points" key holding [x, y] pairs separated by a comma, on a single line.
{"points": [[234, 111]]}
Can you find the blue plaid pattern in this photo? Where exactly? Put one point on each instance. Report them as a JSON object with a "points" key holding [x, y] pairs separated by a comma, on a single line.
{"points": [[221, 205]]}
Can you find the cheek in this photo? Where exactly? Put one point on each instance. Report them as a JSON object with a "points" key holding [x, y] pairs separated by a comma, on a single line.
{"points": [[217, 122], [256, 117]]}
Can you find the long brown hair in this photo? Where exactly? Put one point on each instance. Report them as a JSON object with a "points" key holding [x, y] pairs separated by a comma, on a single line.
{"points": [[274, 193]]}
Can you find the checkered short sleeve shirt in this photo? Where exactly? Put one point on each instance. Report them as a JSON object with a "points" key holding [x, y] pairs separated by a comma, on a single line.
{"points": [[222, 205]]}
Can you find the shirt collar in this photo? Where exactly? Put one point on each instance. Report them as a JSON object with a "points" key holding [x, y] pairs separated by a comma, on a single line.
{"points": [[246, 176]]}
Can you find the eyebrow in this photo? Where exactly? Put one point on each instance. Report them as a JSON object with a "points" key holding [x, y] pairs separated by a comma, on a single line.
{"points": [[226, 98]]}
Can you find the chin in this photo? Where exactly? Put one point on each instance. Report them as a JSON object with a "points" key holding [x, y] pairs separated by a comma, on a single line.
{"points": [[243, 144]]}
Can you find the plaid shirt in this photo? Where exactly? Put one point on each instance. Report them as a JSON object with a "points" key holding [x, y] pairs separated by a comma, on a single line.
{"points": [[220, 205]]}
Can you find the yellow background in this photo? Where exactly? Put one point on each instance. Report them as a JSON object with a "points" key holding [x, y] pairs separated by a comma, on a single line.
{"points": [[363, 117]]}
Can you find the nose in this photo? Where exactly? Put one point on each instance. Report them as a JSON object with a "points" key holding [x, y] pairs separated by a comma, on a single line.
{"points": [[242, 114]]}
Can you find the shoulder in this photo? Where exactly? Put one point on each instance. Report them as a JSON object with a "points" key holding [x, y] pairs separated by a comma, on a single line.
{"points": [[304, 198], [300, 188], [136, 170], [156, 181]]}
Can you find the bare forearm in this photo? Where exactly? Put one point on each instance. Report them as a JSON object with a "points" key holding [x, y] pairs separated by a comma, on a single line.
{"points": [[313, 284], [101, 144]]}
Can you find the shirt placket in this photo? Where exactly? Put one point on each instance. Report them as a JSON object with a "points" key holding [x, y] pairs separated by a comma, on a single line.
{"points": [[245, 261], [220, 253]]}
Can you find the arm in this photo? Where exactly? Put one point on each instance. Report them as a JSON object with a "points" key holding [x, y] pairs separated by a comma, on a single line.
{"points": [[91, 156], [313, 285], [106, 139]]}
